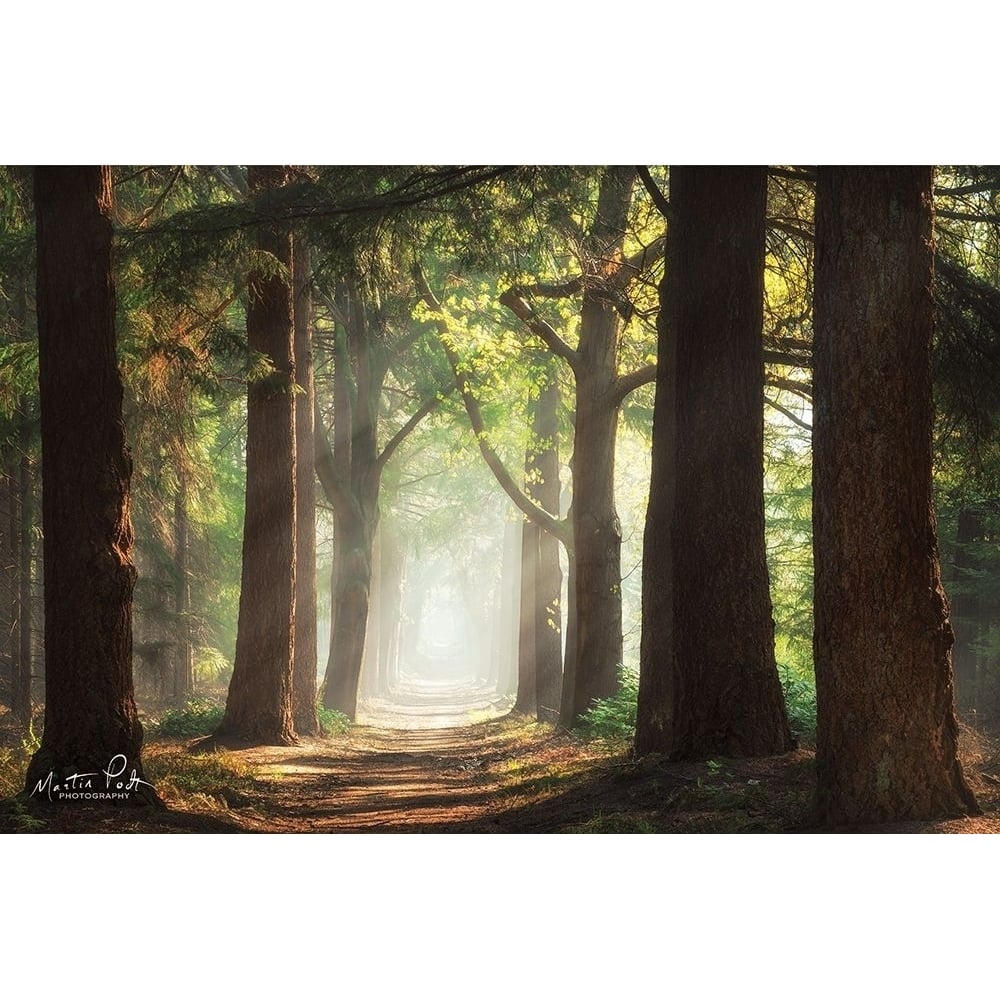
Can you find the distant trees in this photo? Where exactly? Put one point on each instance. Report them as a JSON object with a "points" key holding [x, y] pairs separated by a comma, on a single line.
{"points": [[259, 706], [90, 713], [887, 732], [708, 680], [365, 349], [610, 272]]}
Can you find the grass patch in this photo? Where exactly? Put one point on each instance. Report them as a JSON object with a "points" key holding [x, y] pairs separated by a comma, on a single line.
{"points": [[205, 780], [615, 823]]}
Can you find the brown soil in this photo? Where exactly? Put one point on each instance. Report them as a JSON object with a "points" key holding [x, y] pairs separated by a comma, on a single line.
{"points": [[508, 775]]}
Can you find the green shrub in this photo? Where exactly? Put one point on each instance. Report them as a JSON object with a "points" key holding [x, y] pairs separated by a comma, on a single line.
{"points": [[800, 701], [332, 722], [613, 718], [198, 717]]}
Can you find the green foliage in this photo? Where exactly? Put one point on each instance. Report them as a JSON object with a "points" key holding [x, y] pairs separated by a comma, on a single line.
{"points": [[14, 762], [613, 718], [198, 717], [332, 722], [800, 702]]}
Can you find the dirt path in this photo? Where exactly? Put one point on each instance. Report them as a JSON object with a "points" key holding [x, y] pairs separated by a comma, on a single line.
{"points": [[503, 775], [382, 779]]}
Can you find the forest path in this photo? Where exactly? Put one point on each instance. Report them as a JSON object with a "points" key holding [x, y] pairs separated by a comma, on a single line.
{"points": [[391, 780]]}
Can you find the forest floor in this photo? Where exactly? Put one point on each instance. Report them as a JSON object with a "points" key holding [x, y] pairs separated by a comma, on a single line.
{"points": [[509, 775]]}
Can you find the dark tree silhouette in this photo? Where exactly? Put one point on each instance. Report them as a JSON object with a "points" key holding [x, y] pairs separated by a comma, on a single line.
{"points": [[90, 714], [708, 680]]}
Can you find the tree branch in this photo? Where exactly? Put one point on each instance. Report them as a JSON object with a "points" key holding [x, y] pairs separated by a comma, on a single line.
{"points": [[625, 384], [783, 358], [800, 174], [788, 413], [334, 485], [519, 306], [404, 432], [558, 528], [661, 203], [635, 265]]}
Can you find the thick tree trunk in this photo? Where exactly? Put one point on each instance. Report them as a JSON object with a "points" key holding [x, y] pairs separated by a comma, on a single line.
{"points": [[304, 670], [184, 653], [708, 680], [597, 647], [90, 714], [887, 732], [259, 706], [966, 611]]}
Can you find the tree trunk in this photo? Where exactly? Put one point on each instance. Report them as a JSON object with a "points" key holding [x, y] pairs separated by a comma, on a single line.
{"points": [[887, 732], [304, 670], [357, 520], [184, 654], [708, 679], [966, 611], [350, 619], [592, 673], [259, 706], [527, 683], [546, 491], [90, 714]]}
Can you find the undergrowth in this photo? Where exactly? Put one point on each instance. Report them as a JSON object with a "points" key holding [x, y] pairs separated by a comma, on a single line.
{"points": [[198, 717], [213, 780], [800, 702], [332, 722], [201, 717], [613, 718]]}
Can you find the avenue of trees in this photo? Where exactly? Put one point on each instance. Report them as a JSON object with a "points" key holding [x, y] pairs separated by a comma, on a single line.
{"points": [[728, 432]]}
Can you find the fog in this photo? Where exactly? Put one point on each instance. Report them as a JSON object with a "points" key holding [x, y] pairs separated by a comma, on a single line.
{"points": [[450, 656]]}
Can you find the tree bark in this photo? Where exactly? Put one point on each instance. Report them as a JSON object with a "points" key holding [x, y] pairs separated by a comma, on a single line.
{"points": [[304, 669], [90, 714], [259, 706], [887, 732], [527, 684], [592, 670], [708, 679]]}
